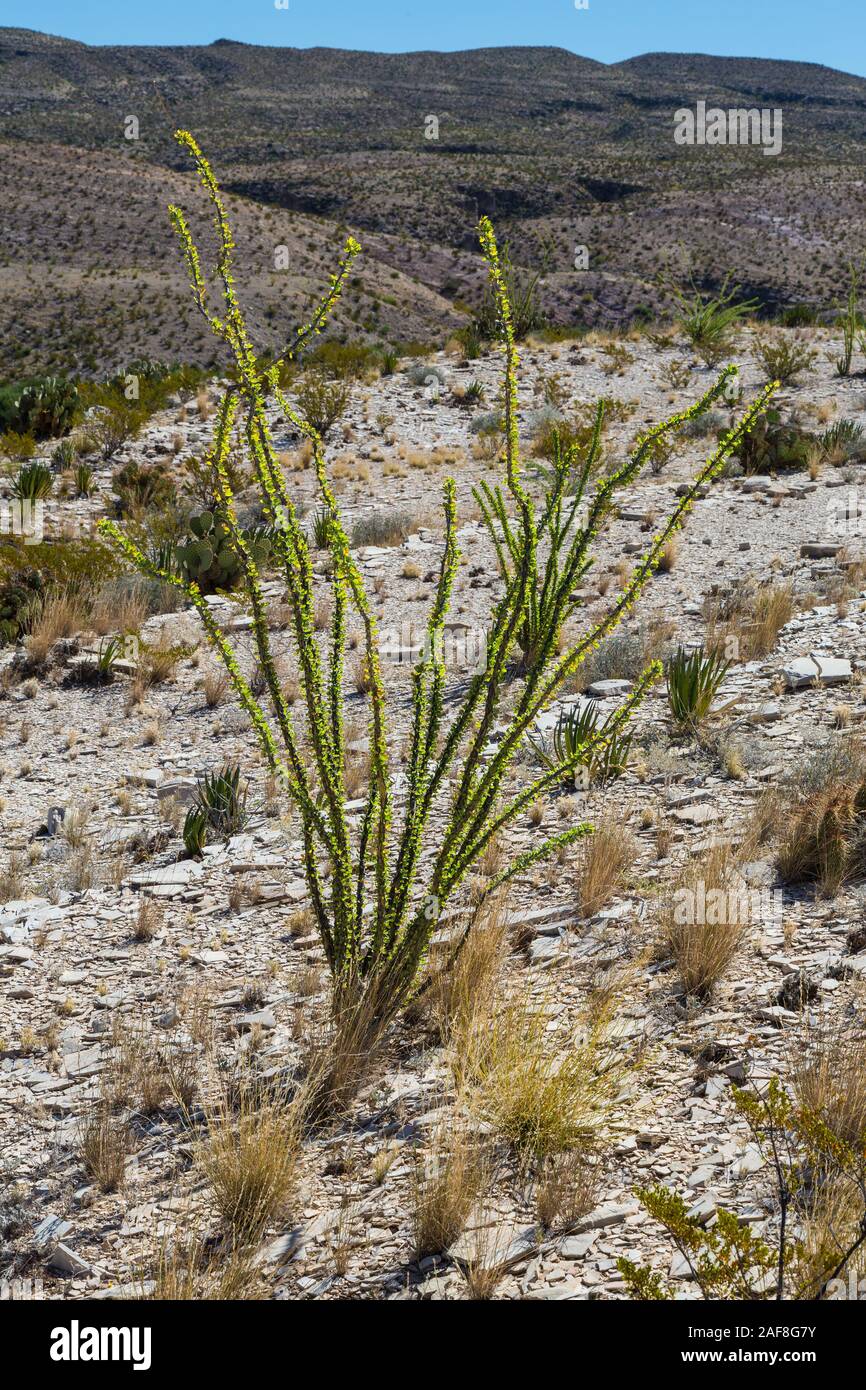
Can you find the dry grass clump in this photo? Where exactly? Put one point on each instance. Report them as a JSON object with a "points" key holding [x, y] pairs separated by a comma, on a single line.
{"points": [[215, 686], [818, 818], [544, 1097], [462, 987], [63, 613], [449, 1180], [159, 662], [193, 1271], [148, 1072], [568, 1186], [700, 930], [669, 556], [825, 840], [147, 922], [745, 625], [250, 1159], [828, 1073], [106, 1141], [12, 877], [119, 608], [604, 858]]}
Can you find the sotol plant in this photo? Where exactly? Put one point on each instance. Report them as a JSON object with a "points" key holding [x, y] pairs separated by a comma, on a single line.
{"points": [[377, 888]]}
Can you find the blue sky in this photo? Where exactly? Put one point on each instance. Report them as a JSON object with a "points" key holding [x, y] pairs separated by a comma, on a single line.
{"points": [[818, 31]]}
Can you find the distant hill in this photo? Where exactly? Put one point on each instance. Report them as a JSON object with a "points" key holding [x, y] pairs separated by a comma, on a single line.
{"points": [[562, 151]]}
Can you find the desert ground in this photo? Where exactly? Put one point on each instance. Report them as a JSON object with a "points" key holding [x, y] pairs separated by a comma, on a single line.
{"points": [[139, 982]]}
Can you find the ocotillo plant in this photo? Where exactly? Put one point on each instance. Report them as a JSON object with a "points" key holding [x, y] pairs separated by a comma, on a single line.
{"points": [[377, 889]]}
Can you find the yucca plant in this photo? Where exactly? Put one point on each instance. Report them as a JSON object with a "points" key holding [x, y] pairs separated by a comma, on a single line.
{"points": [[85, 481], [378, 885], [222, 798], [195, 831], [708, 320], [692, 682], [578, 741], [321, 528], [33, 482]]}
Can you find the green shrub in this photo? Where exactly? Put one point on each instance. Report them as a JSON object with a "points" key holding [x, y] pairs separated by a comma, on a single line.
{"points": [[76, 564], [773, 444], [342, 361], [811, 1168], [783, 359], [20, 599], [323, 402], [17, 446], [113, 421]]}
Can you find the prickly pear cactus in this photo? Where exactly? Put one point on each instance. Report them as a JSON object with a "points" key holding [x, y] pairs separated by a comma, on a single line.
{"points": [[207, 557]]}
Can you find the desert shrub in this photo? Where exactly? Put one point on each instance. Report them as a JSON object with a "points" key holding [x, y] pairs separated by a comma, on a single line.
{"points": [[622, 657], [798, 316], [113, 423], [384, 528], [139, 486], [556, 435], [488, 422], [342, 361], [828, 1077], [322, 401], [86, 561], [727, 1259], [20, 599], [403, 868], [17, 446], [774, 444], [425, 374], [784, 359]]}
